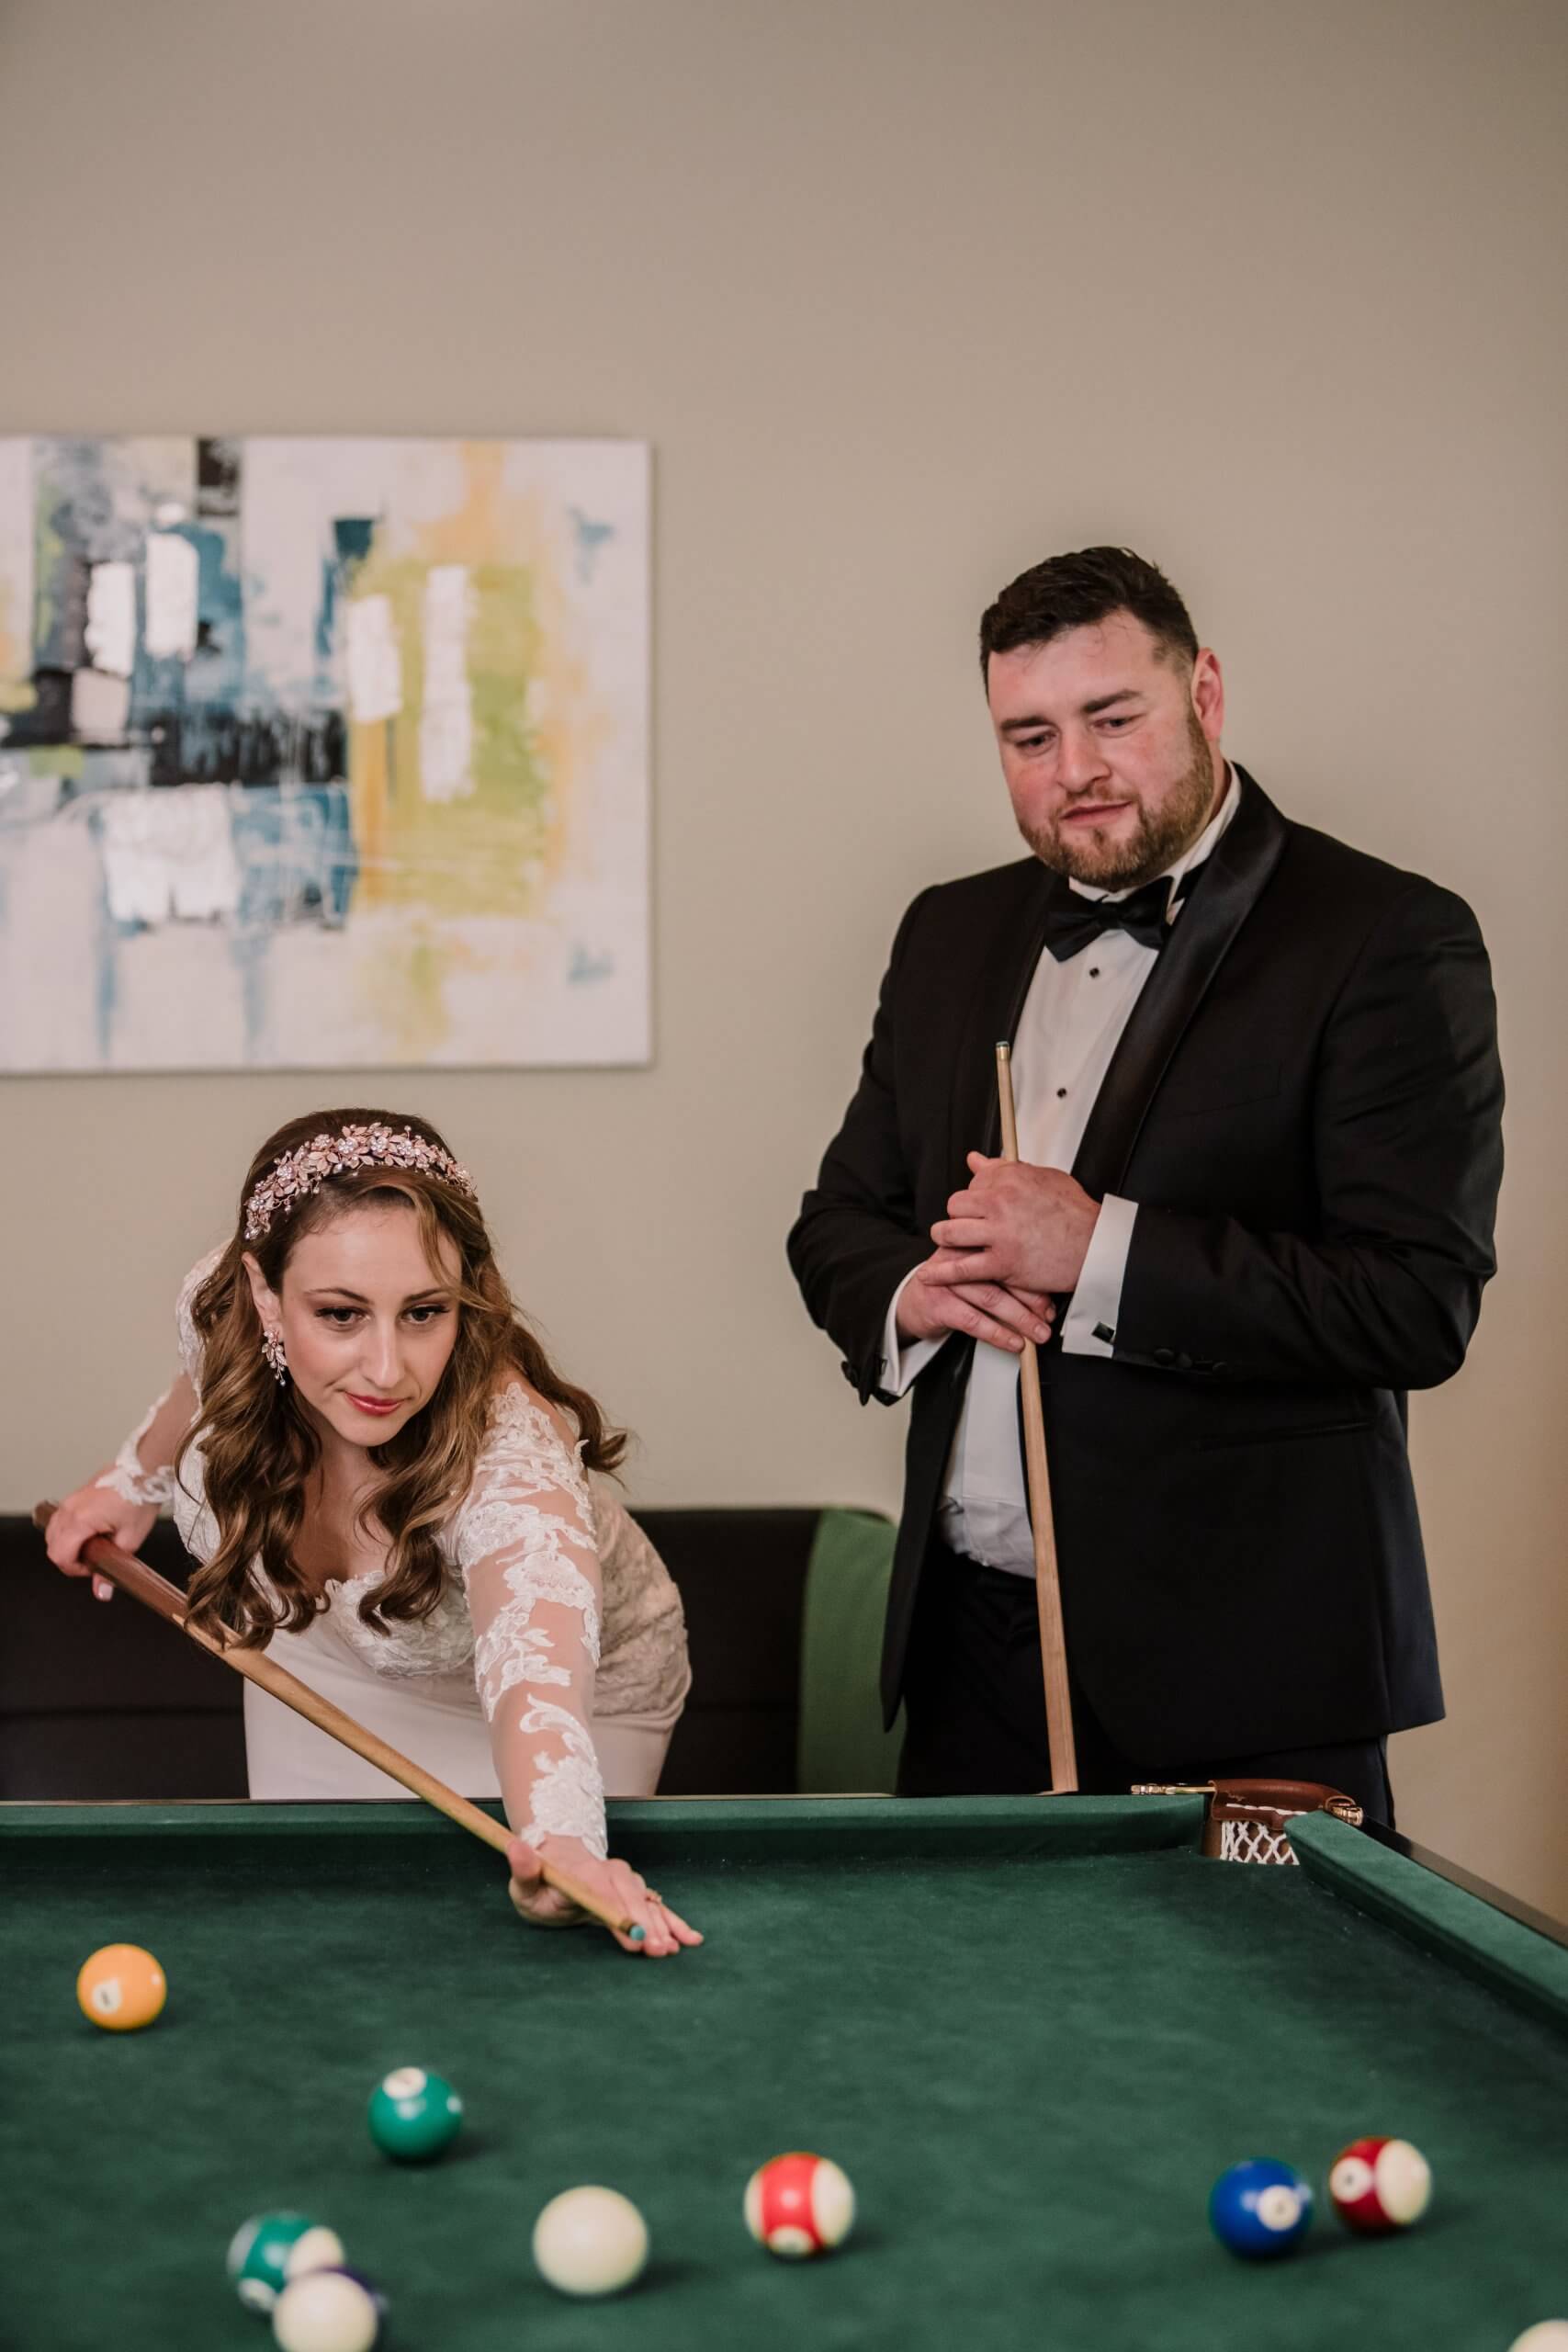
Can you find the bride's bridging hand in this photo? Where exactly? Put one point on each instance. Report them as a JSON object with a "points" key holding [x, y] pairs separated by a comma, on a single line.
{"points": [[616, 1884], [97, 1510]]}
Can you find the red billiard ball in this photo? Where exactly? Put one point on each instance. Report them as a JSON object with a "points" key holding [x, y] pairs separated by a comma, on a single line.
{"points": [[1380, 2185], [799, 2205]]}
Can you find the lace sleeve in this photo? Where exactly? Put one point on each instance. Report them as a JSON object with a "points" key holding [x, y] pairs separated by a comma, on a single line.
{"points": [[524, 1541], [164, 1425], [151, 1482]]}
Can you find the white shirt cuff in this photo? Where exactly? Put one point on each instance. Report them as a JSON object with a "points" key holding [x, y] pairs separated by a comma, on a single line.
{"points": [[1091, 1326], [902, 1359]]}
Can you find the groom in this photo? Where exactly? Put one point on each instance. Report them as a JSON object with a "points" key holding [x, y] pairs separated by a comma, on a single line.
{"points": [[1258, 1103]]}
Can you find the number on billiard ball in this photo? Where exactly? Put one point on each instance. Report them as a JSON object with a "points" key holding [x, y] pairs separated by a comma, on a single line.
{"points": [[1380, 2185], [121, 1987], [799, 2205], [1260, 2208], [413, 2115]]}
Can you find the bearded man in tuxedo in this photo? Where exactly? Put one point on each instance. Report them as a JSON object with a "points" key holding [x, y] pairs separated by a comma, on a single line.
{"points": [[1258, 1109]]}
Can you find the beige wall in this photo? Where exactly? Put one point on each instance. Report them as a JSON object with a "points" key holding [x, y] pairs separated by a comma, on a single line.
{"points": [[905, 297]]}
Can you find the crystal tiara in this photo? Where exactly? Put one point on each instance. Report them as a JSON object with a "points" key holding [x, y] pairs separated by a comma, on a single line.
{"points": [[302, 1172]]}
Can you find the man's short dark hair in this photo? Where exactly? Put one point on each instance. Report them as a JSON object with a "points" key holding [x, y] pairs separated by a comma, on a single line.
{"points": [[1074, 591]]}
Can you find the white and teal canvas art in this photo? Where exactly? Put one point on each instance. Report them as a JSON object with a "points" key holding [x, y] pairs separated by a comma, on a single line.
{"points": [[322, 754]]}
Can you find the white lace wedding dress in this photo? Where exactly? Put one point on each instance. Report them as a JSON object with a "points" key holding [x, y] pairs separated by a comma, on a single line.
{"points": [[555, 1657]]}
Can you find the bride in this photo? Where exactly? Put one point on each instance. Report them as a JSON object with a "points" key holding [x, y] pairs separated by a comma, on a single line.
{"points": [[384, 1481]]}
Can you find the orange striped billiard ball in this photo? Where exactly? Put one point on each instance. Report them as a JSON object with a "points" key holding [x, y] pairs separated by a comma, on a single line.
{"points": [[121, 1987]]}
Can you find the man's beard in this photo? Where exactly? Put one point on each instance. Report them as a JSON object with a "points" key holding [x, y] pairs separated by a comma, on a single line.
{"points": [[1159, 841]]}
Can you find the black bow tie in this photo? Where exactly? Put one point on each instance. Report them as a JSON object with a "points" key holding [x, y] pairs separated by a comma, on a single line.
{"points": [[1072, 921]]}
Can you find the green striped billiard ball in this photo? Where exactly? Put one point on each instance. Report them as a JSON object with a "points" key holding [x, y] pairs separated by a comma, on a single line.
{"points": [[259, 2255], [414, 2115]]}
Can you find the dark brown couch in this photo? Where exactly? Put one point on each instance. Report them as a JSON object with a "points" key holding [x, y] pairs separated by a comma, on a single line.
{"points": [[102, 1700]]}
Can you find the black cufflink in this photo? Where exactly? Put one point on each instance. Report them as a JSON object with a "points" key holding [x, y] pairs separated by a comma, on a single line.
{"points": [[1103, 1332]]}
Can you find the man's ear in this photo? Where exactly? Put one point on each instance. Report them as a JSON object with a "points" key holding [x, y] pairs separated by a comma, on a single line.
{"points": [[1209, 693]]}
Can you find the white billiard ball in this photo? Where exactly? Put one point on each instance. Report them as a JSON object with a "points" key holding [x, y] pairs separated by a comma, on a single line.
{"points": [[327, 2311], [590, 2242]]}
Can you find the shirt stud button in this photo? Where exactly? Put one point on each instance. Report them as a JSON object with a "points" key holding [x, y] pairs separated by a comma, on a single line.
{"points": [[1094, 971], [1061, 1091]]}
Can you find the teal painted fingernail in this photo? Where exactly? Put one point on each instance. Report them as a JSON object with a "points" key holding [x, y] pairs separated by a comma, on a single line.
{"points": [[634, 1935]]}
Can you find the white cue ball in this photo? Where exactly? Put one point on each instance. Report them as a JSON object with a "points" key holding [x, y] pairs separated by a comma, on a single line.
{"points": [[1547, 2336], [590, 2242], [326, 2311]]}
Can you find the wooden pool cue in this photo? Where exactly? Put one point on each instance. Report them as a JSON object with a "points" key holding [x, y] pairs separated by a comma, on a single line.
{"points": [[1047, 1586], [166, 1601]]}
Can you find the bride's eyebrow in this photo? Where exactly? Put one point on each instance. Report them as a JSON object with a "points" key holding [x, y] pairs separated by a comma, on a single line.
{"points": [[357, 1298]]}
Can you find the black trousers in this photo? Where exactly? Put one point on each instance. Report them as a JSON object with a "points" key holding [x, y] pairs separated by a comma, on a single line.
{"points": [[974, 1708]]}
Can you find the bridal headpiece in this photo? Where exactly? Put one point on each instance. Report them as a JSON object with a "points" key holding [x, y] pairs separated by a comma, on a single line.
{"points": [[303, 1171]]}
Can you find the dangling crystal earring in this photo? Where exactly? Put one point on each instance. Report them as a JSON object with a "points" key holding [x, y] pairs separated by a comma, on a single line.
{"points": [[272, 1348]]}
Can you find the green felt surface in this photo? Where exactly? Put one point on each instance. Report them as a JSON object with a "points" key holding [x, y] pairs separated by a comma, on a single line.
{"points": [[1527, 1968], [1032, 2033]]}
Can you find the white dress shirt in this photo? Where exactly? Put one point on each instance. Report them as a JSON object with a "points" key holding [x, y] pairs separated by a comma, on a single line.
{"points": [[1070, 1026]]}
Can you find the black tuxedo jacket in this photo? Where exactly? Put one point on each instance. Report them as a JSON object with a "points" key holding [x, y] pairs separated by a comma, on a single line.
{"points": [[1305, 1104]]}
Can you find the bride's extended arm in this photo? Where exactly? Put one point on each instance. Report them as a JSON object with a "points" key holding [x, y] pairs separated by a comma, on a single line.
{"points": [[524, 1543]]}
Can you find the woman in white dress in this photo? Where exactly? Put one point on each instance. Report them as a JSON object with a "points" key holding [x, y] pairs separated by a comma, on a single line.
{"points": [[385, 1483]]}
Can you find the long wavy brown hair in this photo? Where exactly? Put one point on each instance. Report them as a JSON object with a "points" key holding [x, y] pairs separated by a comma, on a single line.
{"points": [[260, 1450]]}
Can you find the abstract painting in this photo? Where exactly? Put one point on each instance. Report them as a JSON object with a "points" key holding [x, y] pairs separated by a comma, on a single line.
{"points": [[322, 754]]}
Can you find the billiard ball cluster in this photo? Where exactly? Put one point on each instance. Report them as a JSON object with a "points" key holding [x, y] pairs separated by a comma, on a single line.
{"points": [[589, 2240], [294, 2269], [1261, 2209]]}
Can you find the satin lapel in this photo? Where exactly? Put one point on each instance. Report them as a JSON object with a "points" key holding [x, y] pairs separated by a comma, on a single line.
{"points": [[1221, 901], [997, 1000]]}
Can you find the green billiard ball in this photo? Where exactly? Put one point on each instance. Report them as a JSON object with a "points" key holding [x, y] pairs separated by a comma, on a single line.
{"points": [[258, 2257], [414, 2115]]}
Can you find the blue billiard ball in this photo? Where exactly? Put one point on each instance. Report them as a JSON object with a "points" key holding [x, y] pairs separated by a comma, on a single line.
{"points": [[1260, 2207]]}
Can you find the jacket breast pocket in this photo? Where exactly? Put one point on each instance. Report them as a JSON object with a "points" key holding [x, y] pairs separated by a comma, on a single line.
{"points": [[1287, 1433]]}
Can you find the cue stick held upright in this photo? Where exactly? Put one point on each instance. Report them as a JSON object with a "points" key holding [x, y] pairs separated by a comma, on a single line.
{"points": [[1047, 1586], [166, 1601]]}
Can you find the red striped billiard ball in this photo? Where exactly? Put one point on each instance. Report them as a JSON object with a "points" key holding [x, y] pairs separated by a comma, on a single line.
{"points": [[1380, 2185], [799, 2205]]}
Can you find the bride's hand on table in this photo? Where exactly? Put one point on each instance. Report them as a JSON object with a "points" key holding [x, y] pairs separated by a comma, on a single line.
{"points": [[95, 1510], [614, 1883]]}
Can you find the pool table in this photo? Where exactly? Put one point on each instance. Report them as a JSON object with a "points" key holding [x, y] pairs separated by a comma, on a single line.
{"points": [[1033, 2032]]}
